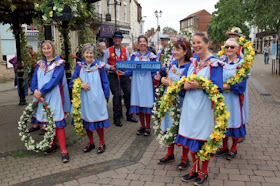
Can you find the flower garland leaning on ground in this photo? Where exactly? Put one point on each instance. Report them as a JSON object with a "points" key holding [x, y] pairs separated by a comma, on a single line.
{"points": [[220, 113], [245, 68], [77, 87], [25, 120]]}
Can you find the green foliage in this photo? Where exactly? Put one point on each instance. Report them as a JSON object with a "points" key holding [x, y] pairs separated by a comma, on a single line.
{"points": [[25, 56], [85, 36], [81, 11], [41, 35], [265, 14], [168, 29], [228, 14]]}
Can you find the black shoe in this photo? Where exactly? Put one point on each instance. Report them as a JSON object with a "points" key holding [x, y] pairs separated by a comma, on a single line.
{"points": [[183, 164], [131, 119], [32, 129], [65, 158], [201, 179], [166, 159], [101, 149], [42, 132], [240, 140], [118, 122], [221, 151], [89, 147], [147, 132], [51, 150], [231, 155], [140, 131], [189, 177]]}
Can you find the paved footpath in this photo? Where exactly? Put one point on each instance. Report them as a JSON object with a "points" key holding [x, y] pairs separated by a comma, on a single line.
{"points": [[132, 160]]}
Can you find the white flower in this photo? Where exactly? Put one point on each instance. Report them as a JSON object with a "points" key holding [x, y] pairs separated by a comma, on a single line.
{"points": [[44, 18], [54, 8], [23, 138], [74, 8]]}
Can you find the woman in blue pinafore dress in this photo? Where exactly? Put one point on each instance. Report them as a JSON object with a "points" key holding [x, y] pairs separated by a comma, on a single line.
{"points": [[49, 83], [94, 96], [197, 117], [181, 54], [234, 99], [142, 90]]}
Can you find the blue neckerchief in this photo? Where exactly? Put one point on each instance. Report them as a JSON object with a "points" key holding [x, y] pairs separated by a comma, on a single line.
{"points": [[182, 66], [54, 59], [146, 54], [83, 63]]}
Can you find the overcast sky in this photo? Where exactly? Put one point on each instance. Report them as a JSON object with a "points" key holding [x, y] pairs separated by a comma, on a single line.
{"points": [[173, 11]]}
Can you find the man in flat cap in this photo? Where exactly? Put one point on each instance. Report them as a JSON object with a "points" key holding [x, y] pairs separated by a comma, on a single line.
{"points": [[164, 39]]}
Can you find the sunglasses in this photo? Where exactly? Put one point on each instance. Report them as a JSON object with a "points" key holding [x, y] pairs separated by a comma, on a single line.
{"points": [[231, 47]]}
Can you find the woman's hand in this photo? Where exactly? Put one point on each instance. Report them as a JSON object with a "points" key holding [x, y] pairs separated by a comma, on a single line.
{"points": [[226, 87], [165, 81], [187, 85], [121, 73], [41, 99], [37, 94], [85, 86], [195, 85], [192, 85], [157, 77]]}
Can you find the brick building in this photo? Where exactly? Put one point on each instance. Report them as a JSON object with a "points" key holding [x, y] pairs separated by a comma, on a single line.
{"points": [[196, 21]]}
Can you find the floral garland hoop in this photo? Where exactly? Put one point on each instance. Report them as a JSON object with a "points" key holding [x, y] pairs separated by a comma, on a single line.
{"points": [[76, 114], [29, 143], [174, 109], [221, 114], [245, 69]]}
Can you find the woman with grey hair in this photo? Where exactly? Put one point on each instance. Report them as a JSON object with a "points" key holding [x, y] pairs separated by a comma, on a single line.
{"points": [[94, 96], [234, 99], [49, 84]]}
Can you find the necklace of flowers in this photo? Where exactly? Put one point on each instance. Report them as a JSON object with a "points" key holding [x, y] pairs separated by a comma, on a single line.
{"points": [[245, 68], [29, 143], [76, 102], [220, 113]]}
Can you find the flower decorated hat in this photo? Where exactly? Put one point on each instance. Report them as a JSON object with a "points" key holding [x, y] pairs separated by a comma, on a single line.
{"points": [[235, 31]]}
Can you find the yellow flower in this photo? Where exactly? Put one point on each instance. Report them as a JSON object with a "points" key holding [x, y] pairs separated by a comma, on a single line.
{"points": [[208, 149], [241, 39], [221, 105], [51, 13], [237, 76], [214, 89], [193, 76], [252, 52], [227, 114], [249, 58], [241, 71], [215, 98], [248, 44]]}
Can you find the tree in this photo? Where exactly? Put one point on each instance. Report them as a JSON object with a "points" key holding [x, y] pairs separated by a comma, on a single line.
{"points": [[265, 14], [229, 13], [168, 29]]}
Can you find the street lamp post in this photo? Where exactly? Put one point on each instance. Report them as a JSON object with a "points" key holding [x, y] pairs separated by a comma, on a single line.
{"points": [[108, 16], [158, 14]]}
